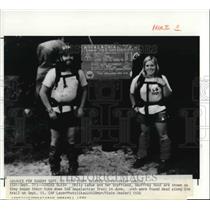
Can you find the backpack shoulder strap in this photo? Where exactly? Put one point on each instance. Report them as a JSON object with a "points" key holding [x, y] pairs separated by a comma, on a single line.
{"points": [[162, 93], [78, 77], [140, 81], [57, 76]]}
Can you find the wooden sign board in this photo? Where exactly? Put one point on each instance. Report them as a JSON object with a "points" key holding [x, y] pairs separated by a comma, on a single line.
{"points": [[108, 61]]}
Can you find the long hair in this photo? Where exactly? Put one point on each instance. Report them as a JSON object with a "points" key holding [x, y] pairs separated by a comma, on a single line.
{"points": [[142, 73], [154, 60]]}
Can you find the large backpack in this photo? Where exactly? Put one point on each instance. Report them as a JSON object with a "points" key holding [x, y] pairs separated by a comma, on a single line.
{"points": [[48, 54]]}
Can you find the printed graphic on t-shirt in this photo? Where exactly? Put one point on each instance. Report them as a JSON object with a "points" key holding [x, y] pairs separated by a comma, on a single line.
{"points": [[154, 89], [154, 93]]}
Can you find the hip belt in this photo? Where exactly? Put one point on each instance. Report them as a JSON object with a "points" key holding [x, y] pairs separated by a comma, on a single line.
{"points": [[62, 107]]}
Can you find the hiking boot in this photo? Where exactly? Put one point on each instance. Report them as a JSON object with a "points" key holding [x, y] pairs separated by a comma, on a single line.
{"points": [[55, 173], [139, 162], [54, 160], [163, 166], [73, 166]]}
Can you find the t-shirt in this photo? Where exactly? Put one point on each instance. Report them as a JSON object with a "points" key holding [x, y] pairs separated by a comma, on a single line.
{"points": [[154, 95], [61, 93]]}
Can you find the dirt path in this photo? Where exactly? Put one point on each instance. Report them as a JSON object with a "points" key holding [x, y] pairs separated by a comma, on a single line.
{"points": [[94, 162]]}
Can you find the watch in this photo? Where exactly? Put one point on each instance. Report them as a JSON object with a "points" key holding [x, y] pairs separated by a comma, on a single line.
{"points": [[50, 110], [134, 106]]}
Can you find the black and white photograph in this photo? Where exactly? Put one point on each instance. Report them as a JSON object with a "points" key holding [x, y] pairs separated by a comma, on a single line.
{"points": [[101, 105]]}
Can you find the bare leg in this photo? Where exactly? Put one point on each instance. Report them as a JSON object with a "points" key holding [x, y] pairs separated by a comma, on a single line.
{"points": [[165, 147], [143, 141], [55, 136], [165, 142], [142, 147], [71, 135]]}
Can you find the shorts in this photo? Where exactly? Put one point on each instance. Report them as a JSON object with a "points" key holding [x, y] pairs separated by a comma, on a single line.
{"points": [[64, 120], [152, 118]]}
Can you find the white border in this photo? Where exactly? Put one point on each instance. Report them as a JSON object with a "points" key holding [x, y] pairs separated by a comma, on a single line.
{"points": [[115, 22], [108, 4], [101, 22]]}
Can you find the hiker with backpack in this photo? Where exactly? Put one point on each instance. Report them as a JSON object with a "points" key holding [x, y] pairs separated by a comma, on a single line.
{"points": [[147, 93], [47, 54], [59, 94]]}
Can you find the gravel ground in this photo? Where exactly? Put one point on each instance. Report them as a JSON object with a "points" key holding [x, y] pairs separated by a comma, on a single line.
{"points": [[94, 162]]}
